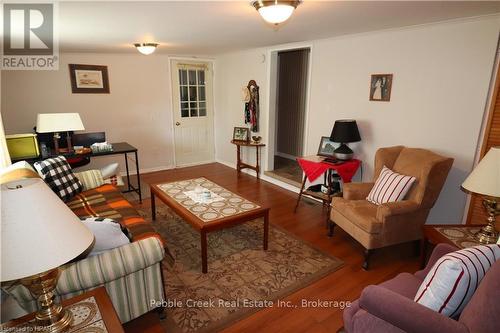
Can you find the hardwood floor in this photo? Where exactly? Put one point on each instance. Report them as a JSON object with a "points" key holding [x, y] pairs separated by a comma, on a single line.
{"points": [[308, 223]]}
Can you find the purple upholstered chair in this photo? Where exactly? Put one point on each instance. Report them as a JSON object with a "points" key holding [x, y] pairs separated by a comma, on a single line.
{"points": [[389, 307]]}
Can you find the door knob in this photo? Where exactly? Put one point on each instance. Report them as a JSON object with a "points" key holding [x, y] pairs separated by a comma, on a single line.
{"points": [[177, 123]]}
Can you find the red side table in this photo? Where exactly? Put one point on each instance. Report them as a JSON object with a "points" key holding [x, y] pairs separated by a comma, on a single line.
{"points": [[315, 166]]}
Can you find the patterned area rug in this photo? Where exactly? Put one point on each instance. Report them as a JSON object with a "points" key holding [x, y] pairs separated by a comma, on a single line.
{"points": [[241, 276]]}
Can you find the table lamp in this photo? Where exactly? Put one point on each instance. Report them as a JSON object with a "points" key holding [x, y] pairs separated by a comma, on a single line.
{"points": [[344, 131], [484, 180], [39, 234], [59, 122]]}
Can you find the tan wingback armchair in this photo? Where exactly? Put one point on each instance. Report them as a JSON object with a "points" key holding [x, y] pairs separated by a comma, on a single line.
{"points": [[395, 222]]}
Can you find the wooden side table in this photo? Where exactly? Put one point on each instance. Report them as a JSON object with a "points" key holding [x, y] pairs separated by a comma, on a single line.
{"points": [[241, 165], [458, 235], [84, 305]]}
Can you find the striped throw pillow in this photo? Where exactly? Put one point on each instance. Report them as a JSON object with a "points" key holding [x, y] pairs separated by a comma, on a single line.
{"points": [[390, 187], [90, 179], [454, 278]]}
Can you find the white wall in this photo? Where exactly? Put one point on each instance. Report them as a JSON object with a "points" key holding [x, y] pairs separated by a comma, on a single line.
{"points": [[138, 109], [441, 76]]}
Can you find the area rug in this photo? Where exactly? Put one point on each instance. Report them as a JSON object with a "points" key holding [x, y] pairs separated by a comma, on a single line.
{"points": [[241, 277]]}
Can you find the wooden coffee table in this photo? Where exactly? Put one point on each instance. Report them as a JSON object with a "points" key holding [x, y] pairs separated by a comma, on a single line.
{"points": [[223, 210]]}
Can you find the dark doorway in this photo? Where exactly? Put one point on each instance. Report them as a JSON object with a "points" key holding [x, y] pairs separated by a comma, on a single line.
{"points": [[291, 96]]}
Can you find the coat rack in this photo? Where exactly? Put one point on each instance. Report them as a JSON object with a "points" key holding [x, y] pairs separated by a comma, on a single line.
{"points": [[252, 106]]}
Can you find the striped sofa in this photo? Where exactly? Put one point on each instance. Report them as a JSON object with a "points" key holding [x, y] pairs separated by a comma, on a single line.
{"points": [[131, 274]]}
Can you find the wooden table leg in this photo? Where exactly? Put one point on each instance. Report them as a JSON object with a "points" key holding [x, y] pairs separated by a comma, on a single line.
{"points": [[153, 206], [300, 193], [266, 231], [204, 264], [257, 167], [238, 158]]}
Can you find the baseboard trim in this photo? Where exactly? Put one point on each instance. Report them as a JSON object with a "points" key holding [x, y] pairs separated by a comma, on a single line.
{"points": [[285, 155], [148, 170], [263, 177]]}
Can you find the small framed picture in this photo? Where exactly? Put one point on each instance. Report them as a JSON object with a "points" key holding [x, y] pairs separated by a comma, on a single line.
{"points": [[326, 147], [241, 134], [380, 87], [89, 79]]}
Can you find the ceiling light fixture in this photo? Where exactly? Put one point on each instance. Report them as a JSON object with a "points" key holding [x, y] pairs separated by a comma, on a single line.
{"points": [[146, 48], [276, 11]]}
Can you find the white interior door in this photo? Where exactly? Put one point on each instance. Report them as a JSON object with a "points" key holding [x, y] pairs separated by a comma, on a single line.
{"points": [[193, 112]]}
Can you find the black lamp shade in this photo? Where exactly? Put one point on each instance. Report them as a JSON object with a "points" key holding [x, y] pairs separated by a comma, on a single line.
{"points": [[345, 131]]}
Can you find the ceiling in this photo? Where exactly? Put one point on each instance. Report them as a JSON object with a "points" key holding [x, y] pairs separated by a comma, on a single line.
{"points": [[213, 27]]}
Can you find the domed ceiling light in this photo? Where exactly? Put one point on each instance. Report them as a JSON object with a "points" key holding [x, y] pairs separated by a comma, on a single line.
{"points": [[276, 11], [146, 48]]}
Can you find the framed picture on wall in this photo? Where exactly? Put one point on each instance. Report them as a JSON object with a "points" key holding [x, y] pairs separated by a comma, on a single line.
{"points": [[89, 79], [380, 87], [241, 134], [326, 147]]}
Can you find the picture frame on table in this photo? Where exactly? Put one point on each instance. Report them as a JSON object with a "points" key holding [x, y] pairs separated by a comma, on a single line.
{"points": [[326, 148], [241, 134], [89, 79]]}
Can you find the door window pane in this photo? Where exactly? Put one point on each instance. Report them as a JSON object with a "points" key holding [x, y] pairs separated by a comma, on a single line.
{"points": [[192, 78], [184, 94], [182, 76], [184, 110], [201, 78], [192, 94], [201, 90]]}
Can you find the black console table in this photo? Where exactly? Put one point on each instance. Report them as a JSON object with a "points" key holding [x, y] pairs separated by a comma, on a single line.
{"points": [[118, 148]]}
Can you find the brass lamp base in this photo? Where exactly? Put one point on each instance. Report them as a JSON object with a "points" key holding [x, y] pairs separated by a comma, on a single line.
{"points": [[51, 317], [488, 234]]}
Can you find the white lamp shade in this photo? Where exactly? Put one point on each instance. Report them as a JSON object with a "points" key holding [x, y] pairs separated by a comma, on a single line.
{"points": [[58, 122], [485, 178], [276, 14], [38, 231]]}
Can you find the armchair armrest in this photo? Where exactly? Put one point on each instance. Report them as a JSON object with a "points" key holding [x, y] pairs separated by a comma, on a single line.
{"points": [[396, 208], [356, 191], [406, 314]]}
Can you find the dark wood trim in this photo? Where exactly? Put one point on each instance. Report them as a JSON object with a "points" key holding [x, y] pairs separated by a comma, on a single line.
{"points": [[105, 79]]}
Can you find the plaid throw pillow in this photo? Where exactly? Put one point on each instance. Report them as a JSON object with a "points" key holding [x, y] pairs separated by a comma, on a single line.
{"points": [[57, 174]]}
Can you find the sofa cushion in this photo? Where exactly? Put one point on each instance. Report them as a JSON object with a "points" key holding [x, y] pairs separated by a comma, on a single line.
{"points": [[454, 278], [107, 201], [90, 179], [57, 174], [390, 186], [360, 212], [108, 234]]}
